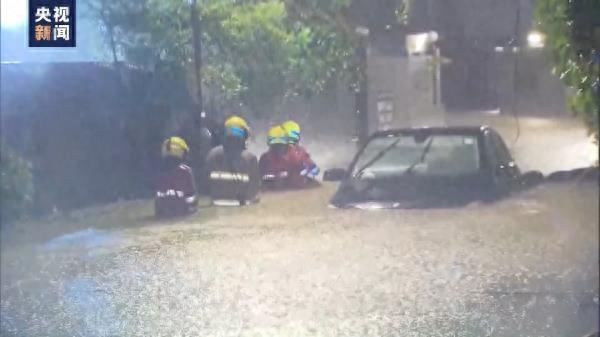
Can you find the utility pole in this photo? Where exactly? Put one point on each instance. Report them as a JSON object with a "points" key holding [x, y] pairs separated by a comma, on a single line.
{"points": [[200, 134], [197, 44], [516, 50], [596, 63], [517, 47], [361, 95]]}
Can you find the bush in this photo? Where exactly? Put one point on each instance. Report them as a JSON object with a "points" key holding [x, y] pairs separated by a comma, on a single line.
{"points": [[573, 37], [16, 185]]}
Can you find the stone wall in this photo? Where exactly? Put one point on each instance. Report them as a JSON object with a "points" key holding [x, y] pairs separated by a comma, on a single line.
{"points": [[404, 86], [91, 132]]}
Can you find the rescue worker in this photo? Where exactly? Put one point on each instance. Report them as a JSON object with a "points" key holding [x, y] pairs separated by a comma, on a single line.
{"points": [[274, 164], [309, 168], [176, 193], [233, 174]]}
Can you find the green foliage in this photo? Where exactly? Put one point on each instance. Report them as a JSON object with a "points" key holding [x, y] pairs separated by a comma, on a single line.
{"points": [[253, 51], [16, 185], [255, 45], [573, 37], [338, 20]]}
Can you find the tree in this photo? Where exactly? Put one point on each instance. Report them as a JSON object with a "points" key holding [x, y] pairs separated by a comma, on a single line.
{"points": [[16, 185], [254, 52], [573, 37], [344, 17]]}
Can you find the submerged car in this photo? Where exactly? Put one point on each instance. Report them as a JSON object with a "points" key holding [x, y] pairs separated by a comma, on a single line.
{"points": [[429, 167]]}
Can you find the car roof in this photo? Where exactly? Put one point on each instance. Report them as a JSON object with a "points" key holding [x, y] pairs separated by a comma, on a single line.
{"points": [[465, 130]]}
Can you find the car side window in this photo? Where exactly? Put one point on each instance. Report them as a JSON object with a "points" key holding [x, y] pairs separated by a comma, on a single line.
{"points": [[501, 149]]}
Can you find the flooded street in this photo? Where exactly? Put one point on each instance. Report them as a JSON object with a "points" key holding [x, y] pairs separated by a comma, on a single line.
{"points": [[116, 115], [291, 266]]}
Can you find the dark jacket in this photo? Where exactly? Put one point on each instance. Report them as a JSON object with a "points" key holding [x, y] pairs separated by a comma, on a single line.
{"points": [[175, 190], [233, 175]]}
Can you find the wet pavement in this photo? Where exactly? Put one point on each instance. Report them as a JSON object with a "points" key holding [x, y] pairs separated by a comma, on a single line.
{"points": [[291, 266]]}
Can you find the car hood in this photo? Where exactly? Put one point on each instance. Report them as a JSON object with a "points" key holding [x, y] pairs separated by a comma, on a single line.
{"points": [[410, 192]]}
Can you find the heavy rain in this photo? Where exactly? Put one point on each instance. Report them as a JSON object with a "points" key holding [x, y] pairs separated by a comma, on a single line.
{"points": [[478, 216]]}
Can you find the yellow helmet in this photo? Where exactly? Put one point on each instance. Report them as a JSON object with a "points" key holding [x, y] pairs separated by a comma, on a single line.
{"points": [[174, 147], [277, 135], [293, 131], [237, 126]]}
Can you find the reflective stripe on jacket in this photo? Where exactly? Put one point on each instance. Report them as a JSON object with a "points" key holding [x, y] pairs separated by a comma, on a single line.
{"points": [[233, 176], [175, 191]]}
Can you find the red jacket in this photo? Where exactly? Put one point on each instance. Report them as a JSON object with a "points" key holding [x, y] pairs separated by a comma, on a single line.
{"points": [[175, 191], [284, 171]]}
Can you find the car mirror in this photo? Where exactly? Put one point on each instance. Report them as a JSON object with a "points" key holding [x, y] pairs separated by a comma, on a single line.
{"points": [[336, 174], [531, 179]]}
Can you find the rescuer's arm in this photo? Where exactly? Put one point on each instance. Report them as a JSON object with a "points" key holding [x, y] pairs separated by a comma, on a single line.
{"points": [[310, 169]]}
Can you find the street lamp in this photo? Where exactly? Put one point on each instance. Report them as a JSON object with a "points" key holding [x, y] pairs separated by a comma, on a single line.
{"points": [[362, 31], [421, 42], [536, 39]]}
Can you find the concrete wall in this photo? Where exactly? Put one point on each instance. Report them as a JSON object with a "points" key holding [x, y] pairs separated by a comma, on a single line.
{"points": [[407, 84]]}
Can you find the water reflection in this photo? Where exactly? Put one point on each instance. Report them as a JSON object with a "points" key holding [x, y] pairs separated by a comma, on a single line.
{"points": [[88, 238]]}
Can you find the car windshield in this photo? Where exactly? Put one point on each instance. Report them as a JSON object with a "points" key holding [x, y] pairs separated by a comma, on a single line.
{"points": [[438, 155]]}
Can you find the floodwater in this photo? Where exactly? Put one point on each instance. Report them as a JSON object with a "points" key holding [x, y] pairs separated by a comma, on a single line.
{"points": [[291, 266]]}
